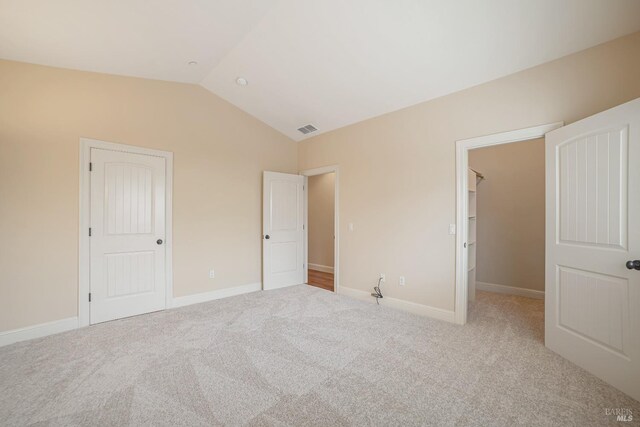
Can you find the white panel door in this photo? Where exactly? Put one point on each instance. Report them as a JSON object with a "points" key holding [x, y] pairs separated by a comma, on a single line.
{"points": [[283, 230], [127, 234], [592, 305]]}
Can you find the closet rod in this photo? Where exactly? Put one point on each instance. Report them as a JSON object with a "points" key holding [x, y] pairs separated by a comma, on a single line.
{"points": [[478, 174]]}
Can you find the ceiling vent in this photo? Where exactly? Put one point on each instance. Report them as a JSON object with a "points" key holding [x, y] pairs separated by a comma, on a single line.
{"points": [[307, 129]]}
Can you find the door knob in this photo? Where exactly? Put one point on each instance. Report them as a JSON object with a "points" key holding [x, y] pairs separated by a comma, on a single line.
{"points": [[267, 237], [159, 241], [633, 265]]}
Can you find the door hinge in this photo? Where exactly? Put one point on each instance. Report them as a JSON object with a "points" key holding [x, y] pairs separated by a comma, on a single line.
{"points": [[90, 166], [89, 296], [303, 226], [89, 231]]}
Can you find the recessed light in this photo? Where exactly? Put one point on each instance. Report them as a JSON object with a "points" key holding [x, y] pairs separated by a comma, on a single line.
{"points": [[192, 63], [242, 81]]}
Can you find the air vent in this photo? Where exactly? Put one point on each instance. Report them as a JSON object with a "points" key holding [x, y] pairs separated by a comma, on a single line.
{"points": [[307, 129]]}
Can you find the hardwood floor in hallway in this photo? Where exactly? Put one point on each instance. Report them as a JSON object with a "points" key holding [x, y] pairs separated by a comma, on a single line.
{"points": [[320, 279]]}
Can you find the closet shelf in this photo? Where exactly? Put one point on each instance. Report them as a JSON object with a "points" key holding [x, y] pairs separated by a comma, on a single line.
{"points": [[472, 224]]}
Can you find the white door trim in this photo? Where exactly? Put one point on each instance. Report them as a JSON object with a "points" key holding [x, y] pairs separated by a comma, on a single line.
{"points": [[336, 222], [462, 164], [84, 256]]}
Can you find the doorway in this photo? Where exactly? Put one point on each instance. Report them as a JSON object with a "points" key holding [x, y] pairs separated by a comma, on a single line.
{"points": [[320, 223], [321, 232], [285, 241], [507, 219], [463, 248], [125, 245], [592, 291]]}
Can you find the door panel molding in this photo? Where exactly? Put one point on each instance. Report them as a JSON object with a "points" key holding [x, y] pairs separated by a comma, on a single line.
{"points": [[585, 220], [84, 259]]}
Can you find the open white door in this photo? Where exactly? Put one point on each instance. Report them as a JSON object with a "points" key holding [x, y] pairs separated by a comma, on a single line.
{"points": [[592, 306], [283, 230]]}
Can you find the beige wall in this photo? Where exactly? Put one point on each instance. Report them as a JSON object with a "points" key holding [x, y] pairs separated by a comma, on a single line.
{"points": [[511, 215], [321, 193], [220, 153], [397, 171]]}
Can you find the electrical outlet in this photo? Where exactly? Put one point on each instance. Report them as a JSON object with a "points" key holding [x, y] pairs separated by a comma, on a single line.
{"points": [[382, 277], [401, 281], [212, 274], [350, 226], [452, 229]]}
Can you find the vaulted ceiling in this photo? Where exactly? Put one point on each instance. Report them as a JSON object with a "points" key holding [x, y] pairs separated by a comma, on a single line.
{"points": [[328, 63]]}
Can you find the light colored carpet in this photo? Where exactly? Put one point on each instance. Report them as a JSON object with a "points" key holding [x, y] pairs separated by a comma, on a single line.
{"points": [[303, 356]]}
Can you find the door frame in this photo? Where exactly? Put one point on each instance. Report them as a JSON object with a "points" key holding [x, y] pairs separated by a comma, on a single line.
{"points": [[84, 246], [462, 165], [336, 221]]}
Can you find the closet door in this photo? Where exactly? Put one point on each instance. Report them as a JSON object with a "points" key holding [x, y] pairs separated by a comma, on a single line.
{"points": [[592, 299], [128, 193]]}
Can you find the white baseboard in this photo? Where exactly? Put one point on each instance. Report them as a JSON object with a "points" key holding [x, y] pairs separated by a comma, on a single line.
{"points": [[38, 331], [319, 267], [63, 325], [511, 290], [217, 294], [411, 307]]}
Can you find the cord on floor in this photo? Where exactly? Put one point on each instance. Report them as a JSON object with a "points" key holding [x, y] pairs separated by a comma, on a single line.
{"points": [[377, 294]]}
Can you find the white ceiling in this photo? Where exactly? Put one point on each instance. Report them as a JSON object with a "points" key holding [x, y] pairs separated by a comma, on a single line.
{"points": [[325, 62], [153, 39]]}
